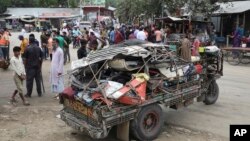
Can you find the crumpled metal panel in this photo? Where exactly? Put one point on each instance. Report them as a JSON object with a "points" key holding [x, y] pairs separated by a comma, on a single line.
{"points": [[108, 54]]}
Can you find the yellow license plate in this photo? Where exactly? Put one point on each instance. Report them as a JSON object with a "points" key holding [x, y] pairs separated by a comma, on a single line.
{"points": [[79, 107]]}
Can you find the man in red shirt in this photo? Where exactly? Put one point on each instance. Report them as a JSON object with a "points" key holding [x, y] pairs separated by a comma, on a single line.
{"points": [[118, 36]]}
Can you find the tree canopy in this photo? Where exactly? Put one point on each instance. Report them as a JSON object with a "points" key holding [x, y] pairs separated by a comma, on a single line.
{"points": [[129, 9], [4, 4]]}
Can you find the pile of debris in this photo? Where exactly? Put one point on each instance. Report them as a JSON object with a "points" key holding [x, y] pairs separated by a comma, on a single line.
{"points": [[134, 72]]}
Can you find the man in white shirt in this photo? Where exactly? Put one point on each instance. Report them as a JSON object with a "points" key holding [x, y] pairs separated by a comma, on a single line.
{"points": [[141, 35], [64, 29], [19, 75], [56, 70], [136, 31]]}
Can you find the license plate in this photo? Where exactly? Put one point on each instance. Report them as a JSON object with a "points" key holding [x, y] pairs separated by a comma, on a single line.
{"points": [[73, 125], [79, 107]]}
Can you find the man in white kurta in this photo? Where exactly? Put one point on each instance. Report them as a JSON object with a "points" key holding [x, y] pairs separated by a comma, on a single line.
{"points": [[56, 70]]}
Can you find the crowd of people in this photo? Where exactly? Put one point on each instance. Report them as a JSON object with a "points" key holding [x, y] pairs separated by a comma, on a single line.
{"points": [[117, 35], [29, 56], [56, 45]]}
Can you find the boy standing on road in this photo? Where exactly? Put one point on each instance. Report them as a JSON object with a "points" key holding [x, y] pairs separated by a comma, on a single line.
{"points": [[19, 75], [82, 52]]}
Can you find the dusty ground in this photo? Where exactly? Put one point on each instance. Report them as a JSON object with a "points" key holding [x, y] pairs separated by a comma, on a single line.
{"points": [[195, 123]]}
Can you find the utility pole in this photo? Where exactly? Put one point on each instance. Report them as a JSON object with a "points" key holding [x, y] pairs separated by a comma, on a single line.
{"points": [[162, 12]]}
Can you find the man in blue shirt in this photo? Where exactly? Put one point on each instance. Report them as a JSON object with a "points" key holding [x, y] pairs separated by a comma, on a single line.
{"points": [[241, 30], [76, 33], [112, 35]]}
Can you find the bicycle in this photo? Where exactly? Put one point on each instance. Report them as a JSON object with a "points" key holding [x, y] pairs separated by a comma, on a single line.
{"points": [[245, 57], [237, 57]]}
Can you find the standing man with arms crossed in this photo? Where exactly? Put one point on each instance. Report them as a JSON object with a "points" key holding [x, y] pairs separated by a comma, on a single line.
{"points": [[33, 58]]}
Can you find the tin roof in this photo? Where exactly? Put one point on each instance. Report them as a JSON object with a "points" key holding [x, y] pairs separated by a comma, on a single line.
{"points": [[43, 12], [233, 7]]}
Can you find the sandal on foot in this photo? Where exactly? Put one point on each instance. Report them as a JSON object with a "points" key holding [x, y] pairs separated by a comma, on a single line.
{"points": [[26, 103], [56, 97], [12, 100]]}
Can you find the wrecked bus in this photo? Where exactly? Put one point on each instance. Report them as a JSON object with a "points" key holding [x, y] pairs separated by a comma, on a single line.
{"points": [[123, 86]]}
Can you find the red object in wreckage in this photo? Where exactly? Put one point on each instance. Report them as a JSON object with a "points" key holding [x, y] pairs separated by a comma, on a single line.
{"points": [[99, 96], [69, 93], [134, 93], [198, 68]]}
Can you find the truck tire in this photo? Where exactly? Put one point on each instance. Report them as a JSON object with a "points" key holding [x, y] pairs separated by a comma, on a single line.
{"points": [[148, 123], [212, 94]]}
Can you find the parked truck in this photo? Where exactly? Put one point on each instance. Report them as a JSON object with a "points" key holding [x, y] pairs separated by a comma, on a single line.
{"points": [[124, 85]]}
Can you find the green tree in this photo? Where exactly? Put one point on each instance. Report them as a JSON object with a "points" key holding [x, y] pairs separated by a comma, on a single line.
{"points": [[73, 3], [112, 3], [130, 9], [4, 4], [24, 3], [48, 3]]}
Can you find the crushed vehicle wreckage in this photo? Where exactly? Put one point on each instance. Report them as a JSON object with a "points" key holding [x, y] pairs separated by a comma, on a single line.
{"points": [[126, 83]]}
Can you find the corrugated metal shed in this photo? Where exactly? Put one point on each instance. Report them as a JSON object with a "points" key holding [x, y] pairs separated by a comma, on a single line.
{"points": [[233, 7]]}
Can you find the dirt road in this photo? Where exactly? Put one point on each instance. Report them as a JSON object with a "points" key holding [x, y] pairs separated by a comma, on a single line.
{"points": [[195, 123]]}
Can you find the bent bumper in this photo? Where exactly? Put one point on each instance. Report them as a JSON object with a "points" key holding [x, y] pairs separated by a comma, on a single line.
{"points": [[83, 126]]}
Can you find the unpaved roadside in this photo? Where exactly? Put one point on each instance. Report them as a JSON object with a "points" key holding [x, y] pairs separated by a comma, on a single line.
{"points": [[39, 123]]}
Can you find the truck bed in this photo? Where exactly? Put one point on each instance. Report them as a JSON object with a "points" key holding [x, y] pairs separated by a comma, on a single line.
{"points": [[92, 120]]}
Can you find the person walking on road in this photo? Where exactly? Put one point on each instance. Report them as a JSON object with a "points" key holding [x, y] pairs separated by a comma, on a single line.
{"points": [[76, 33], [36, 41], [66, 47], [237, 35], [2, 45], [50, 45], [6, 36], [56, 70], [24, 44], [82, 52], [33, 58], [141, 35], [44, 42], [60, 39], [16, 63], [118, 36], [112, 36], [158, 35], [186, 49]]}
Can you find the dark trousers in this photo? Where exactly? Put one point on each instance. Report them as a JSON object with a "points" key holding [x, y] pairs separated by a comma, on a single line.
{"points": [[45, 52], [66, 54], [33, 73], [50, 57], [5, 53], [74, 41]]}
